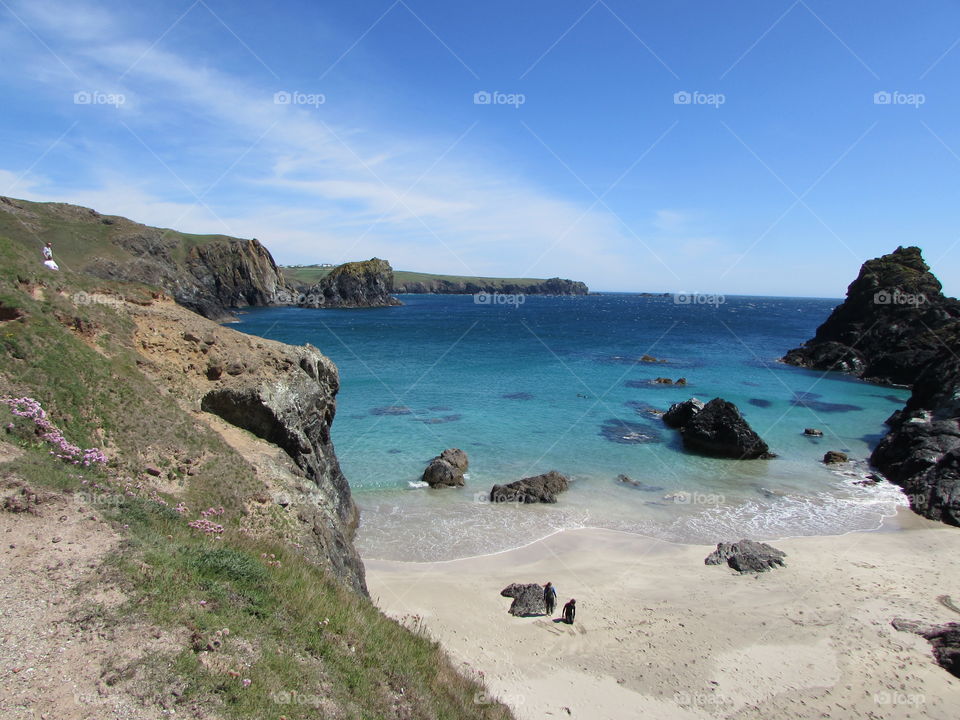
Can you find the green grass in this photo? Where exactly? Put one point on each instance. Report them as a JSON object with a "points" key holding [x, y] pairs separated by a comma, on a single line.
{"points": [[294, 632]]}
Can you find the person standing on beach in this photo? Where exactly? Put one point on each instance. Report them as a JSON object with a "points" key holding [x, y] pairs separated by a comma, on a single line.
{"points": [[569, 611], [550, 597]]}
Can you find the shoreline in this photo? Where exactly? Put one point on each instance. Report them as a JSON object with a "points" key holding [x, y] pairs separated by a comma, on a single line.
{"points": [[659, 632]]}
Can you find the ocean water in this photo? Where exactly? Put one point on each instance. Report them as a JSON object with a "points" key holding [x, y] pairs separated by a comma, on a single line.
{"points": [[557, 383]]}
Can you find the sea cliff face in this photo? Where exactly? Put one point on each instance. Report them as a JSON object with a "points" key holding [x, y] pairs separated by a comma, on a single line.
{"points": [[362, 284], [897, 327], [553, 286], [893, 322]]}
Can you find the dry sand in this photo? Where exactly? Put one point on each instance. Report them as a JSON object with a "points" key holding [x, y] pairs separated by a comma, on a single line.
{"points": [[660, 635]]}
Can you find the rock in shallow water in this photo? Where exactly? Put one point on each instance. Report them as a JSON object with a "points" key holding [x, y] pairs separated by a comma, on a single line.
{"points": [[833, 457], [538, 489], [681, 413], [721, 431], [446, 470], [746, 556]]}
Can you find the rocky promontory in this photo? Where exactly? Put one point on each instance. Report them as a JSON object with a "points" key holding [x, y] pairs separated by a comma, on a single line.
{"points": [[894, 320], [438, 284], [364, 284]]}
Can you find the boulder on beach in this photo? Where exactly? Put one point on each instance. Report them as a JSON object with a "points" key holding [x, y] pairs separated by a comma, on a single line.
{"points": [[538, 489], [681, 413], [527, 599], [832, 457], [446, 469], [746, 556], [721, 431], [945, 640]]}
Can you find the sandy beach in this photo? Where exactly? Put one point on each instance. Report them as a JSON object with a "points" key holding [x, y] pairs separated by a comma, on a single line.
{"points": [[661, 635]]}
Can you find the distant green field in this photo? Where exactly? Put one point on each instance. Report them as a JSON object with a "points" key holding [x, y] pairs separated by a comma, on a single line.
{"points": [[310, 274]]}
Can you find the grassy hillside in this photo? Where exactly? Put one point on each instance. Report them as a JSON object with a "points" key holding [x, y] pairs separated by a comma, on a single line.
{"points": [[293, 631], [79, 234]]}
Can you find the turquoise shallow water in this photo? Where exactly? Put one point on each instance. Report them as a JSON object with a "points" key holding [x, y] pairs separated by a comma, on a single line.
{"points": [[556, 383]]}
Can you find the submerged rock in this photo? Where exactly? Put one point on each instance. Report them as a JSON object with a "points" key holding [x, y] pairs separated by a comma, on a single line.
{"points": [[746, 556], [538, 489], [447, 469], [945, 640], [625, 432], [637, 484], [527, 599], [721, 431], [518, 396]]}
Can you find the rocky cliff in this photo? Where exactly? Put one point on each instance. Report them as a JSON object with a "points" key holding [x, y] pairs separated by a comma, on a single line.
{"points": [[471, 286], [896, 326], [282, 394], [363, 284], [894, 320]]}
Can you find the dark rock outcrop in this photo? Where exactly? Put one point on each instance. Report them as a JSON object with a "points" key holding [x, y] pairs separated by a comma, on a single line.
{"points": [[681, 413], [294, 411], [365, 284], [894, 320], [447, 469], [527, 599], [471, 286], [813, 432], [945, 640], [538, 489], [746, 556], [719, 430], [921, 453], [832, 457]]}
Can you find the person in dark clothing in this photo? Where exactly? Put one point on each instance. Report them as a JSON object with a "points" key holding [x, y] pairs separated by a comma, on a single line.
{"points": [[569, 611], [550, 597]]}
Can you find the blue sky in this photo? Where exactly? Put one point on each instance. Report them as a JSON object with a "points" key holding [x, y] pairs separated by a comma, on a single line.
{"points": [[781, 175]]}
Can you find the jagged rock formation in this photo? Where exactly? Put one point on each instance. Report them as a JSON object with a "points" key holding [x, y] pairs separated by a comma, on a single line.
{"points": [[921, 453], [945, 640], [746, 556], [894, 320], [470, 286], [527, 599], [282, 394], [447, 469], [538, 489], [352, 285], [717, 429]]}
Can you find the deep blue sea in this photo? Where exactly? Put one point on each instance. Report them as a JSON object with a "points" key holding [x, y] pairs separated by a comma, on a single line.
{"points": [[557, 383]]}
